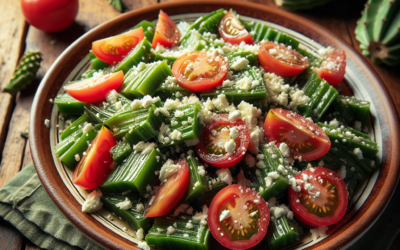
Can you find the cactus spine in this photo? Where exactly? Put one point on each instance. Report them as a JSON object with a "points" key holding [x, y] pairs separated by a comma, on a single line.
{"points": [[378, 31], [25, 72]]}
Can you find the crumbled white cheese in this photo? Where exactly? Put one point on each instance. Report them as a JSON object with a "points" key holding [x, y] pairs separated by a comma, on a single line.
{"points": [[176, 135], [289, 215], [256, 135], [274, 175], [140, 207], [168, 169], [234, 115], [220, 103], [47, 123], [143, 245], [118, 105], [92, 202], [136, 104], [324, 52], [228, 83], [124, 205], [144, 147], [182, 208], [77, 157], [334, 123], [241, 180], [318, 232], [225, 175], [268, 181], [342, 172], [140, 234], [297, 98], [250, 160], [148, 101], [240, 63], [245, 83], [189, 225], [285, 150], [230, 146], [233, 132], [358, 153], [202, 217], [172, 104], [249, 114], [201, 171], [179, 113], [170, 230], [112, 97], [224, 215], [163, 111]]}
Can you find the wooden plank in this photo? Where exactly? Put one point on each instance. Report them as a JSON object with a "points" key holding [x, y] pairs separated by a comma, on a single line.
{"points": [[6, 105], [13, 31], [136, 4], [30, 246], [10, 238], [15, 144]]}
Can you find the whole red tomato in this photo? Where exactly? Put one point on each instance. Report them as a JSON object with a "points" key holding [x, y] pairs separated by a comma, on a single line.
{"points": [[50, 15]]}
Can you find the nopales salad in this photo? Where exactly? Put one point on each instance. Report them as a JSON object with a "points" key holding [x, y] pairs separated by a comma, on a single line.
{"points": [[218, 128]]}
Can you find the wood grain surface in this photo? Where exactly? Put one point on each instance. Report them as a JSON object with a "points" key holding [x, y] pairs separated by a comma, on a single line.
{"points": [[17, 36]]}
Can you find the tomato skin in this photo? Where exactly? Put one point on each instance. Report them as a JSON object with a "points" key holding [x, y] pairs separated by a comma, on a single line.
{"points": [[277, 66], [97, 164], [199, 84], [333, 74], [167, 34], [170, 193], [303, 214], [112, 49], [89, 92], [296, 129], [226, 160], [225, 199], [49, 15], [230, 24]]}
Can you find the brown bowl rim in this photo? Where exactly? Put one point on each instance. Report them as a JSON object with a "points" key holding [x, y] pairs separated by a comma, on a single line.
{"points": [[41, 109]]}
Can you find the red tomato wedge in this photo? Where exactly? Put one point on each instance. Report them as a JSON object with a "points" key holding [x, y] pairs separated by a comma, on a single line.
{"points": [[167, 34], [334, 67], [96, 88], [171, 192], [282, 61], [198, 71], [248, 218], [304, 138], [232, 30], [95, 166], [217, 140], [111, 50], [324, 202]]}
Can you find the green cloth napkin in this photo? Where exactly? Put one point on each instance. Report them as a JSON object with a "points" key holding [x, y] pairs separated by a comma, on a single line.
{"points": [[26, 205]]}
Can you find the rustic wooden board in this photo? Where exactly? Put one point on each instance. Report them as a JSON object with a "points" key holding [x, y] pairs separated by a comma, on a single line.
{"points": [[6, 105], [14, 147], [10, 238]]}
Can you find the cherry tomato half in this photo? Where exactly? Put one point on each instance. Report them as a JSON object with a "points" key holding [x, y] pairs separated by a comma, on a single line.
{"points": [[95, 89], [112, 50], [50, 15], [216, 138], [170, 193], [198, 71], [334, 67], [322, 199], [95, 166], [248, 218], [304, 138], [282, 61], [167, 34], [232, 30]]}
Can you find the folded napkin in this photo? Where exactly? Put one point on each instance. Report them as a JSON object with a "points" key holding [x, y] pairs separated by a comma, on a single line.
{"points": [[25, 204]]}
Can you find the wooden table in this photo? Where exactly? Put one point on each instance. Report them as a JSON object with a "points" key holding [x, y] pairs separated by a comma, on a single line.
{"points": [[17, 37]]}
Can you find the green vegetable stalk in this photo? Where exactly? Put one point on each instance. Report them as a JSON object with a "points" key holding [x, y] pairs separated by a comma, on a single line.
{"points": [[25, 72], [300, 4]]}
